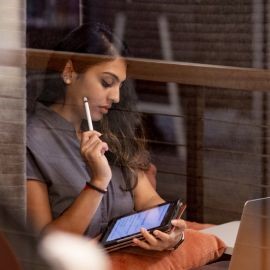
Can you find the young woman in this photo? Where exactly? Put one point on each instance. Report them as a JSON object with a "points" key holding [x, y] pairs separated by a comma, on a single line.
{"points": [[62, 156]]}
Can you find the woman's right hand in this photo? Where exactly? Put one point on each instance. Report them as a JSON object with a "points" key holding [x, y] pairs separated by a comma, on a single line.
{"points": [[93, 150]]}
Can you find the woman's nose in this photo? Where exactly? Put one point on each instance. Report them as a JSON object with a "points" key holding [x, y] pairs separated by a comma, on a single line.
{"points": [[114, 94]]}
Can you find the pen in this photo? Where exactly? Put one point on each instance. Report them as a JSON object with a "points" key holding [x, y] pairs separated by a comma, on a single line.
{"points": [[88, 115]]}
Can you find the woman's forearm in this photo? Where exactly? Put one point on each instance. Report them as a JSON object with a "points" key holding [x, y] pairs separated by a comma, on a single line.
{"points": [[78, 216]]}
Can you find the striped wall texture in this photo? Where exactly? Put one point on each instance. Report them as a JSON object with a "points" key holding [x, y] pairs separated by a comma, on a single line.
{"points": [[12, 110]]}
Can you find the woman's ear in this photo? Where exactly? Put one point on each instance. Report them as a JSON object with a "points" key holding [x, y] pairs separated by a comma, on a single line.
{"points": [[68, 72]]}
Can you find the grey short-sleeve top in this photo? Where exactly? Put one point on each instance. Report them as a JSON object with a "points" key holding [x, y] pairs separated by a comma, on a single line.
{"points": [[53, 157]]}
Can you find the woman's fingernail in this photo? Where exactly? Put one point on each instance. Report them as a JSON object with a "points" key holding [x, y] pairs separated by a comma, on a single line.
{"points": [[143, 230]]}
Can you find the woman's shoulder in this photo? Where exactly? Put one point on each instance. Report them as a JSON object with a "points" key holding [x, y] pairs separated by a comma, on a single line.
{"points": [[46, 130], [37, 121], [40, 127]]}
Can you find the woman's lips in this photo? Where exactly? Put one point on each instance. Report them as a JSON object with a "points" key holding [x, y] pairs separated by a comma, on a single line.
{"points": [[104, 109]]}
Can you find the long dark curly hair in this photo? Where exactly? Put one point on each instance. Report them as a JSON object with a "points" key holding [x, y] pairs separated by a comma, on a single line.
{"points": [[122, 128]]}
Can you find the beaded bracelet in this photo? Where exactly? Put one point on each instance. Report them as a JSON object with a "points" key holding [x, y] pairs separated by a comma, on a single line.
{"points": [[91, 186]]}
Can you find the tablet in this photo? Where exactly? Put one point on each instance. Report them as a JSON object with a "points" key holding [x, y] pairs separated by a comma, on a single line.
{"points": [[122, 230]]}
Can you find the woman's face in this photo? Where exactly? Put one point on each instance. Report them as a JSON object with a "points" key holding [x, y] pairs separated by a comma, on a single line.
{"points": [[101, 84]]}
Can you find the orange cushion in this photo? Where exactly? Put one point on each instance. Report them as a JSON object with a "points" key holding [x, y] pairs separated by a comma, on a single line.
{"points": [[197, 250], [197, 226]]}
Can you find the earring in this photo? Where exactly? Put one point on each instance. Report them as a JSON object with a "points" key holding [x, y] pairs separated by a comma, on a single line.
{"points": [[67, 80]]}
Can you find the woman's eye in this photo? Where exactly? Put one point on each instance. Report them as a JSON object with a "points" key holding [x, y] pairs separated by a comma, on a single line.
{"points": [[106, 84]]}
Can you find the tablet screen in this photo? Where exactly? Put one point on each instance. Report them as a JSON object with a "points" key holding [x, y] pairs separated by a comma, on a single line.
{"points": [[132, 224]]}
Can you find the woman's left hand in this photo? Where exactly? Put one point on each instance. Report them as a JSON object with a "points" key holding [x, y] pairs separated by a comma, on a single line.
{"points": [[161, 240]]}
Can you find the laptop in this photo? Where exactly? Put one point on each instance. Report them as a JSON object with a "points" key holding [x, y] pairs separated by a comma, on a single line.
{"points": [[248, 240], [252, 245]]}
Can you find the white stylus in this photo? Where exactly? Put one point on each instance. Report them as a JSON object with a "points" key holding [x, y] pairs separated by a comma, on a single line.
{"points": [[88, 115]]}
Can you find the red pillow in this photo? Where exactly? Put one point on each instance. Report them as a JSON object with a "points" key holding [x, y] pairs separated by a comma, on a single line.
{"points": [[197, 250]]}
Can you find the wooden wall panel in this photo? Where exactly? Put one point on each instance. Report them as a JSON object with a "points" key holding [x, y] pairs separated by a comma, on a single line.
{"points": [[12, 111]]}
